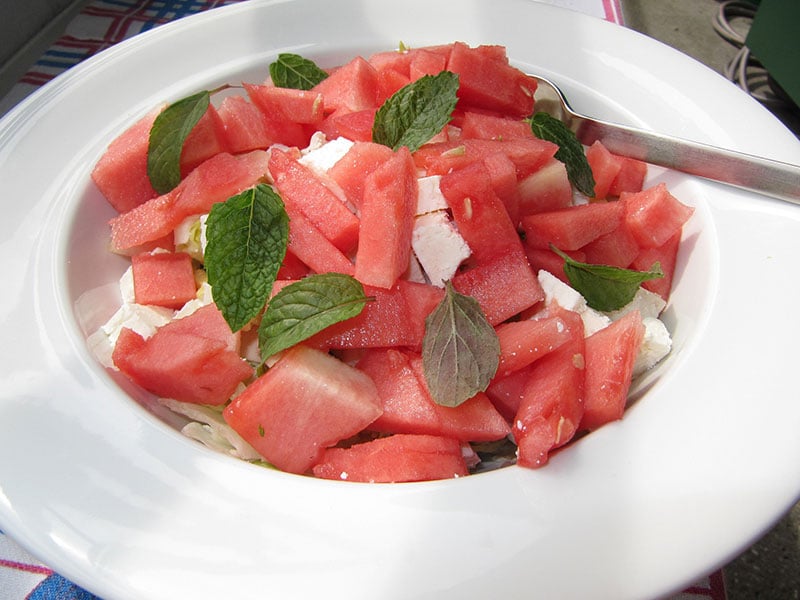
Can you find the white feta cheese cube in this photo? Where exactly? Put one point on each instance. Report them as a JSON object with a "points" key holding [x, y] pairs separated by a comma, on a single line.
{"points": [[322, 158], [649, 304], [655, 346], [430, 198], [438, 246], [126, 287]]}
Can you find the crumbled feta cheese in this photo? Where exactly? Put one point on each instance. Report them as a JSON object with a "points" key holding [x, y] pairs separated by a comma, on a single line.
{"points": [[438, 246], [655, 346], [320, 158], [430, 197], [126, 287]]}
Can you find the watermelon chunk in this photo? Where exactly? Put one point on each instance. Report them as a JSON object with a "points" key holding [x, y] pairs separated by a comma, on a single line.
{"points": [[617, 248], [654, 215], [387, 221], [610, 356], [490, 126], [216, 180], [287, 104], [182, 362], [487, 81], [353, 125], [279, 128], [630, 178], [527, 154], [504, 286], [396, 317], [312, 248], [208, 322], [547, 188], [305, 403], [409, 408], [352, 87], [481, 217], [121, 173], [605, 167], [396, 458], [163, 279], [523, 342], [206, 139], [667, 256], [350, 171], [300, 188], [506, 392], [572, 228], [426, 62], [244, 125], [551, 407]]}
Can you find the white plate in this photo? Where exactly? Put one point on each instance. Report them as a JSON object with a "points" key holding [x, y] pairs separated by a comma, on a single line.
{"points": [[107, 494]]}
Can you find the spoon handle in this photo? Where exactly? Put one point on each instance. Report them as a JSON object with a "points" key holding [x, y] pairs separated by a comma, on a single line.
{"points": [[770, 177]]}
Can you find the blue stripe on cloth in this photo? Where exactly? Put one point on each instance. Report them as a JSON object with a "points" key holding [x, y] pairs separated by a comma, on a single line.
{"points": [[56, 587]]}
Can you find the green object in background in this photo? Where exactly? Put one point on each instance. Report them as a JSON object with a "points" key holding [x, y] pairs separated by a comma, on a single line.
{"points": [[774, 39]]}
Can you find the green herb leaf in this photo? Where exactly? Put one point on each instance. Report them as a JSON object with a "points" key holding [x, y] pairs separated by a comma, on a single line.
{"points": [[604, 287], [570, 150], [247, 239], [460, 350], [294, 71], [306, 307], [416, 112], [167, 135]]}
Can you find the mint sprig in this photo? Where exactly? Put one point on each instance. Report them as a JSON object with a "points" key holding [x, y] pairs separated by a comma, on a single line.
{"points": [[247, 239], [570, 151], [167, 135], [293, 71], [416, 112], [306, 307], [604, 287], [460, 350]]}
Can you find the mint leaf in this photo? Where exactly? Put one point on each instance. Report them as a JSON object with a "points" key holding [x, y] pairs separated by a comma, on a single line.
{"points": [[306, 307], [604, 287], [570, 150], [460, 350], [294, 71], [416, 112], [247, 239], [167, 135]]}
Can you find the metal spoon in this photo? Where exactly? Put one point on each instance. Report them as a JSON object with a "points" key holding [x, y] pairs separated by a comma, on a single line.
{"points": [[769, 177]]}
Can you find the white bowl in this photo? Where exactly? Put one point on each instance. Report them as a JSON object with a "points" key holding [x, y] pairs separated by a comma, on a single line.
{"points": [[112, 496]]}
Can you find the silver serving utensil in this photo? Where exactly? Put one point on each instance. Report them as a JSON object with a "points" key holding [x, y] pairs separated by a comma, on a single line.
{"points": [[769, 177]]}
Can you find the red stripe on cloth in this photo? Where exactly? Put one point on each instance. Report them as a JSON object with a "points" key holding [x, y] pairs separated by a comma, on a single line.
{"points": [[711, 588], [613, 11], [10, 564]]}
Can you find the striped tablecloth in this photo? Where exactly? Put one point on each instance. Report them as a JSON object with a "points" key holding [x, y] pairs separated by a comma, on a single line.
{"points": [[101, 24]]}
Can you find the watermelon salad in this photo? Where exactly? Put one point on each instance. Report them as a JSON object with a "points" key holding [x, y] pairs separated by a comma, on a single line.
{"points": [[392, 270]]}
